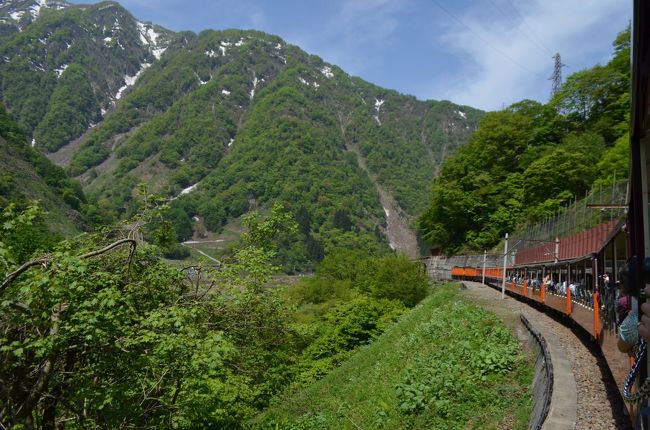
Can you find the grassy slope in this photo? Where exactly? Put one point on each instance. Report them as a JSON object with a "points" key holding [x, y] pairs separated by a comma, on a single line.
{"points": [[30, 184], [431, 352]]}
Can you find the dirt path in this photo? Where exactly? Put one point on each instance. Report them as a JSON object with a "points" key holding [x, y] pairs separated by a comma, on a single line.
{"points": [[400, 237]]}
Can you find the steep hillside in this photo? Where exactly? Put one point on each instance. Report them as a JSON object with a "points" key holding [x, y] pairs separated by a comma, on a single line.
{"points": [[63, 66], [221, 122], [27, 175]]}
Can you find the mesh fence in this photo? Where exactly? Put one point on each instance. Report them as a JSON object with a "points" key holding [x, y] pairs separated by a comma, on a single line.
{"points": [[601, 205]]}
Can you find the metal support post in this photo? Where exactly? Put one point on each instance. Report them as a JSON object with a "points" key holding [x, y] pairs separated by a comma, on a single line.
{"points": [[505, 260]]}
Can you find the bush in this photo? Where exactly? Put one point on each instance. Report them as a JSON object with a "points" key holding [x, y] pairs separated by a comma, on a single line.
{"points": [[346, 327], [177, 252], [395, 278]]}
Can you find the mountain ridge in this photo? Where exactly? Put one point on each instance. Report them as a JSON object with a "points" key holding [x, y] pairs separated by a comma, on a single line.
{"points": [[218, 119]]}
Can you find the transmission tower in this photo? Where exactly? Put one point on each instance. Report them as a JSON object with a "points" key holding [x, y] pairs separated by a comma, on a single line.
{"points": [[556, 78]]}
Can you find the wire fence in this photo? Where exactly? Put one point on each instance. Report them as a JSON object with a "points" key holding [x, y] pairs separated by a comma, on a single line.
{"points": [[599, 206]]}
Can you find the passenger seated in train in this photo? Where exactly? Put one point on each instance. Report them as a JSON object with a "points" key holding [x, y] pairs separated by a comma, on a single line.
{"points": [[629, 327], [644, 323], [535, 283], [550, 284]]}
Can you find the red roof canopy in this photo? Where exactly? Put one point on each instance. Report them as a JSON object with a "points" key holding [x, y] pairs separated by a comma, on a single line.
{"points": [[572, 247]]}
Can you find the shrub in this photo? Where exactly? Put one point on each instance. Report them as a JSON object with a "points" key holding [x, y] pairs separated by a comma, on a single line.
{"points": [[395, 278]]}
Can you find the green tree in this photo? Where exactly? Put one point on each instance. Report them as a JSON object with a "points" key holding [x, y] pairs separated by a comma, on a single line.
{"points": [[105, 334]]}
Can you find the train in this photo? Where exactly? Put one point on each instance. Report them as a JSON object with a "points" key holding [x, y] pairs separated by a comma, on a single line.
{"points": [[576, 275]]}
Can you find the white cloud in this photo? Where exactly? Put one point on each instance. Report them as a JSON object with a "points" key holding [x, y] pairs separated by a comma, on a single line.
{"points": [[509, 58], [352, 31]]}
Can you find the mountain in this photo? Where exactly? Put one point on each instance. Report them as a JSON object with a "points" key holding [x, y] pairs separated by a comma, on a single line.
{"points": [[221, 122], [27, 175]]}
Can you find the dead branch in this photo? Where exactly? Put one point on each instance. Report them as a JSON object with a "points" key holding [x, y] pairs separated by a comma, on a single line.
{"points": [[41, 261], [46, 259], [109, 247]]}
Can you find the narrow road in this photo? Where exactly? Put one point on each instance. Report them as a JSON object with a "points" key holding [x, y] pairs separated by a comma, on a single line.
{"points": [[200, 252]]}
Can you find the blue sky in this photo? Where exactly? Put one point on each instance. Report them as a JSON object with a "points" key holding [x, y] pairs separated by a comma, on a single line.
{"points": [[483, 53]]}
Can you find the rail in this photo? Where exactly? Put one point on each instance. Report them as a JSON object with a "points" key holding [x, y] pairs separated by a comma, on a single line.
{"points": [[543, 380]]}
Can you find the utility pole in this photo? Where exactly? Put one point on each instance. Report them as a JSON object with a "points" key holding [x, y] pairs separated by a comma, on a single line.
{"points": [[505, 260], [484, 257], [556, 78]]}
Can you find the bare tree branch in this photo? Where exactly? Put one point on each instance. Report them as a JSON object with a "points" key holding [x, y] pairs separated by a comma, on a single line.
{"points": [[109, 247], [41, 261], [46, 259]]}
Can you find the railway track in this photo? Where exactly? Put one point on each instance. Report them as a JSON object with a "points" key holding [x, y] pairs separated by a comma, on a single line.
{"points": [[589, 398]]}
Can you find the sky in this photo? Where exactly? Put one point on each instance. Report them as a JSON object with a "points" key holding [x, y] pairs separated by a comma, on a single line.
{"points": [[482, 53]]}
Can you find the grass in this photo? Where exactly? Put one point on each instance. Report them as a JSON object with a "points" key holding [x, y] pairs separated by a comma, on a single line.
{"points": [[447, 364]]}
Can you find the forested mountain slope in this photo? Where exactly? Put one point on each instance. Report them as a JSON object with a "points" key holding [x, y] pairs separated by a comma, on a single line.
{"points": [[527, 161], [221, 122], [26, 176]]}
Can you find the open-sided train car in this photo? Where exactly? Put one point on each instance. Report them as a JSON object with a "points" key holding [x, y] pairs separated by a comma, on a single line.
{"points": [[568, 276], [577, 274], [578, 280]]}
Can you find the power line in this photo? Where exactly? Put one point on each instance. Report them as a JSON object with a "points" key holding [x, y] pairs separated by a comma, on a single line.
{"points": [[486, 42], [530, 37], [538, 39]]}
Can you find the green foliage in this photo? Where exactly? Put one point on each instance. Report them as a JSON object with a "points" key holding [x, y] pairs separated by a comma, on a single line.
{"points": [[445, 364], [133, 342], [394, 278], [346, 327], [27, 175], [71, 110]]}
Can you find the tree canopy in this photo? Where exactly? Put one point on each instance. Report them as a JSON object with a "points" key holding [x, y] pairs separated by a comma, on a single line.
{"points": [[527, 160]]}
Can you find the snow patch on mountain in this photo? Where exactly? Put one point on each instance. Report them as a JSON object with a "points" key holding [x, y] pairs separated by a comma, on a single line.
{"points": [[130, 80], [35, 9], [60, 70], [158, 52], [460, 113], [223, 45], [304, 81], [255, 82], [16, 16], [188, 189], [225, 92], [327, 72], [378, 104], [211, 53], [148, 36]]}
